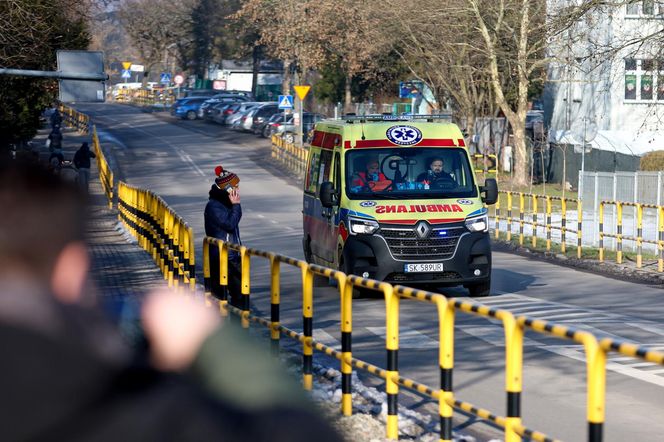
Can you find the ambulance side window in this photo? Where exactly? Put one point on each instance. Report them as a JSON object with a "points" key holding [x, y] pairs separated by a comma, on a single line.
{"points": [[324, 167], [312, 175]]}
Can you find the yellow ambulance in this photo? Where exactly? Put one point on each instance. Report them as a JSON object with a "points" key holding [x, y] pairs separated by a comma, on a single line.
{"points": [[396, 199]]}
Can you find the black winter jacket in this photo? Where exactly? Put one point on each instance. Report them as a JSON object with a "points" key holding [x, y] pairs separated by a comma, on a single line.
{"points": [[222, 220]]}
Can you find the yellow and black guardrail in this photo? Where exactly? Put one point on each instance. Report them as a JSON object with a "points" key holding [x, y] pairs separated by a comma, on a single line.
{"points": [[161, 232], [485, 163], [105, 171], [446, 309], [545, 205], [290, 155], [73, 118], [639, 238]]}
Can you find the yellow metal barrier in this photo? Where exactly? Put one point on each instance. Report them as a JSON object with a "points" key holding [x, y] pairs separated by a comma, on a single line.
{"points": [[105, 172], [638, 239], [73, 118], [446, 308], [528, 210], [290, 155], [483, 159], [161, 232]]}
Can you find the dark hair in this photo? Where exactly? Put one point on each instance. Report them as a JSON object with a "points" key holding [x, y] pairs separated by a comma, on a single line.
{"points": [[42, 214]]}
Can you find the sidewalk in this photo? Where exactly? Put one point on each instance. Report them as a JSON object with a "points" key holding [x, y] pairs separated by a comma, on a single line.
{"points": [[122, 272]]}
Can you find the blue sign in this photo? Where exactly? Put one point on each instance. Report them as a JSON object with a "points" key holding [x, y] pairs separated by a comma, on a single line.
{"points": [[126, 73], [403, 135], [285, 102], [165, 78], [410, 89]]}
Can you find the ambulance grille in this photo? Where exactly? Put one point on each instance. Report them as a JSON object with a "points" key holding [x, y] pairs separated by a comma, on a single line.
{"points": [[406, 244]]}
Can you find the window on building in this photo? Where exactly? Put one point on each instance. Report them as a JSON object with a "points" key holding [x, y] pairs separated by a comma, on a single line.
{"points": [[648, 7], [643, 78], [633, 8]]}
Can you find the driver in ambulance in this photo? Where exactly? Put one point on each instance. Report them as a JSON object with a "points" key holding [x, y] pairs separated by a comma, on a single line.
{"points": [[435, 173]]}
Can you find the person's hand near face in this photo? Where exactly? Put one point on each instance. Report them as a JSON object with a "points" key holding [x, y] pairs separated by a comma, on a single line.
{"points": [[234, 195]]}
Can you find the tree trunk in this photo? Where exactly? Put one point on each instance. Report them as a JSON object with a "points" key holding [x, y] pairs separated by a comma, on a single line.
{"points": [[285, 84], [347, 95], [519, 150], [255, 58]]}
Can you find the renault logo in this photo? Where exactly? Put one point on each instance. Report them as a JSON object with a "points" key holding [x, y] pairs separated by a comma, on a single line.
{"points": [[422, 229]]}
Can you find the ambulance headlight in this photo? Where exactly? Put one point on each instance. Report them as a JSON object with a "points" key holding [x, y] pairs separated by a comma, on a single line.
{"points": [[478, 224], [359, 226]]}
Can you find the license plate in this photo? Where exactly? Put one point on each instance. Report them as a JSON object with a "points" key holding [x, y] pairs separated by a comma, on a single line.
{"points": [[423, 267]]}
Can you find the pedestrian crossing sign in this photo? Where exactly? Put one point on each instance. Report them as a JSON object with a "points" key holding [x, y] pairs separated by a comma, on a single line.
{"points": [[285, 102], [126, 73]]}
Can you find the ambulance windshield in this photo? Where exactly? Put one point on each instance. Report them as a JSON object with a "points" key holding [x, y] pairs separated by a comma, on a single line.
{"points": [[414, 172]]}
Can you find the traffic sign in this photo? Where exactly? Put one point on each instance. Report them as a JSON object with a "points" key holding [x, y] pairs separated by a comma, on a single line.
{"points": [[126, 73], [126, 65], [165, 78], [178, 79], [285, 102], [302, 91]]}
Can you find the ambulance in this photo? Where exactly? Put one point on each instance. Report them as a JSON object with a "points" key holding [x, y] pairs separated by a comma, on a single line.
{"points": [[396, 199]]}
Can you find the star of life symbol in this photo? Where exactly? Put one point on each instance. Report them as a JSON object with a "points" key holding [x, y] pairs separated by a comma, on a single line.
{"points": [[404, 135], [422, 229]]}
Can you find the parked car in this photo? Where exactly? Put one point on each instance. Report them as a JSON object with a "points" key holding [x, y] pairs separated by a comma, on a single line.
{"points": [[187, 108], [212, 111], [258, 112], [239, 112], [227, 111], [220, 98], [262, 115], [288, 129], [274, 120]]}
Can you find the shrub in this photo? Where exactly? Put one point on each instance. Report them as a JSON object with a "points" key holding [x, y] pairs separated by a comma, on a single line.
{"points": [[652, 161]]}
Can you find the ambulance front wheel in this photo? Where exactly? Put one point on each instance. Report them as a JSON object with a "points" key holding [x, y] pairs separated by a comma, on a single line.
{"points": [[479, 290], [358, 292]]}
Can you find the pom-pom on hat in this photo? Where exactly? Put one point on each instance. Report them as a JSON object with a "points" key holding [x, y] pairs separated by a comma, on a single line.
{"points": [[225, 178]]}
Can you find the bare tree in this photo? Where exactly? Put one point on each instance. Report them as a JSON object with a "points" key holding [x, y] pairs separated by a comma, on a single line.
{"points": [[154, 25]]}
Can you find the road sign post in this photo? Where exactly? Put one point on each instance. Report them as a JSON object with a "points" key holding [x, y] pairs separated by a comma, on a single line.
{"points": [[301, 91]]}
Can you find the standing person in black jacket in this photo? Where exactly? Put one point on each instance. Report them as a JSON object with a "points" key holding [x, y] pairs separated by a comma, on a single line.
{"points": [[82, 163], [222, 219]]}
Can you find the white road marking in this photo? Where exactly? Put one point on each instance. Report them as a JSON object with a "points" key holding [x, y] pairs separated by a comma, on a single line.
{"points": [[325, 338], [577, 352], [408, 338], [493, 335]]}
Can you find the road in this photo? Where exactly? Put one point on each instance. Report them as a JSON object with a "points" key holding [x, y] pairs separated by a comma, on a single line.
{"points": [[176, 159]]}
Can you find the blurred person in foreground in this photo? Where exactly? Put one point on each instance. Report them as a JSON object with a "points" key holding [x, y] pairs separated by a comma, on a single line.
{"points": [[67, 374]]}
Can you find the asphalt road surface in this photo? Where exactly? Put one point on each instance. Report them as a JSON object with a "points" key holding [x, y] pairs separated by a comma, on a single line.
{"points": [[176, 158]]}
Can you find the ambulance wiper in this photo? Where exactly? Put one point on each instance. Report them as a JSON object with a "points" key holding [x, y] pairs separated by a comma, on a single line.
{"points": [[375, 195]]}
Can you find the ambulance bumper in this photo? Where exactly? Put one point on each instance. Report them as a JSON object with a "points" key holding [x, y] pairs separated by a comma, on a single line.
{"points": [[370, 256]]}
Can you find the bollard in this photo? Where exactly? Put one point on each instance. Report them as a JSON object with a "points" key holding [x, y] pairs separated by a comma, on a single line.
{"points": [[307, 327], [346, 295], [392, 347], [509, 216], [579, 244], [639, 235], [521, 215], [244, 290], [534, 239], [274, 305], [548, 223], [601, 231], [619, 238], [497, 219]]}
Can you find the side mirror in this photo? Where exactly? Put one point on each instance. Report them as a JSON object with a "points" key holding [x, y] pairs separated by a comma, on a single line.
{"points": [[490, 190], [327, 194]]}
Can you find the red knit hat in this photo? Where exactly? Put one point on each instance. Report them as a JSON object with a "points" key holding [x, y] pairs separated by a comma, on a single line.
{"points": [[225, 178]]}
